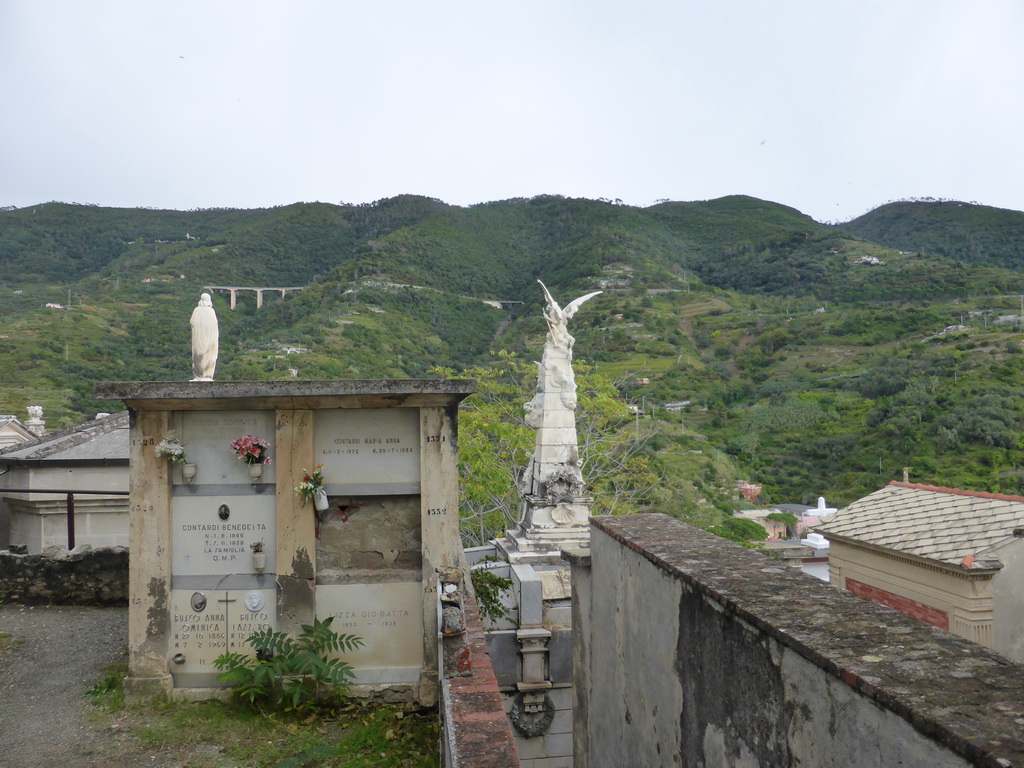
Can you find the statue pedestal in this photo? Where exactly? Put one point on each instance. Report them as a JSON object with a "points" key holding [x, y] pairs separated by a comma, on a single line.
{"points": [[540, 539]]}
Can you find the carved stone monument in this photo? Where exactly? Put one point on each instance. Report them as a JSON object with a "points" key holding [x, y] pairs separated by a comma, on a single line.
{"points": [[35, 423], [205, 339], [555, 505]]}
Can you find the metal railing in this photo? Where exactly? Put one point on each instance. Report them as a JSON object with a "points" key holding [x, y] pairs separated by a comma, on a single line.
{"points": [[70, 503]]}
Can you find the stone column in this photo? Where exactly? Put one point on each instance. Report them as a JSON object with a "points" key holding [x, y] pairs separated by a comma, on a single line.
{"points": [[296, 528], [149, 567], [439, 524], [34, 423]]}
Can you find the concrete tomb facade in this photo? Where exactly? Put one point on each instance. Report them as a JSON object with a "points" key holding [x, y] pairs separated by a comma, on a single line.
{"points": [[13, 432], [197, 588]]}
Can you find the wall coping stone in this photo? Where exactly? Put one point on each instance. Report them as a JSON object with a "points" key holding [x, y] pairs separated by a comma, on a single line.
{"points": [[957, 693], [478, 728], [577, 556], [197, 395]]}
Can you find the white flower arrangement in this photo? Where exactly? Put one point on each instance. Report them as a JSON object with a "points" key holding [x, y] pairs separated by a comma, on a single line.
{"points": [[169, 448]]}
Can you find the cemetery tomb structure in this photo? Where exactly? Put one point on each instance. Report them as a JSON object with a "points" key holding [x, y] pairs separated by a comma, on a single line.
{"points": [[197, 587]]}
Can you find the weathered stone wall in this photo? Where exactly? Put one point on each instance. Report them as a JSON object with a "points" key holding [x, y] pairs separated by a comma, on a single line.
{"points": [[694, 651], [363, 538], [82, 577]]}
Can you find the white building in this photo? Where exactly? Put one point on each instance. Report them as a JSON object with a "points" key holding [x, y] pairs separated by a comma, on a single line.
{"points": [[89, 457], [13, 432]]}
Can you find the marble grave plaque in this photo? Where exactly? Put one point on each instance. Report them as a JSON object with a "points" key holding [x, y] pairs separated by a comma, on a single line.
{"points": [[206, 623], [389, 619], [207, 437], [367, 451], [205, 544]]}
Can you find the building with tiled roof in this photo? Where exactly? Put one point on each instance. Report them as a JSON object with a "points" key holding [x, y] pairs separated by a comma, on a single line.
{"points": [[953, 558], [87, 457], [13, 432]]}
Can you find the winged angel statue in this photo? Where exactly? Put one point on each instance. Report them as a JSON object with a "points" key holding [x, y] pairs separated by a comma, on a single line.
{"points": [[555, 377], [558, 318], [553, 482]]}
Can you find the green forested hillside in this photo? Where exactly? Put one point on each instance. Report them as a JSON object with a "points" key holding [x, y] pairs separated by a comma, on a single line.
{"points": [[966, 232], [814, 358]]}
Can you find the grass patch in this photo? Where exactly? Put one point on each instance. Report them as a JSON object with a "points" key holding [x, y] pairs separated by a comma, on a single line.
{"points": [[8, 641], [636, 365], [213, 734], [108, 693]]}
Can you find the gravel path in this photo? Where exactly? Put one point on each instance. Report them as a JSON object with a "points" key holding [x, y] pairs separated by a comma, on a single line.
{"points": [[57, 653]]}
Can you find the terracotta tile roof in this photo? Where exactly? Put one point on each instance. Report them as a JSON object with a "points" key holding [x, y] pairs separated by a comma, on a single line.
{"points": [[944, 524]]}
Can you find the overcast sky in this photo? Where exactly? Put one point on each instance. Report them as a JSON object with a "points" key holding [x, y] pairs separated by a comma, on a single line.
{"points": [[830, 106]]}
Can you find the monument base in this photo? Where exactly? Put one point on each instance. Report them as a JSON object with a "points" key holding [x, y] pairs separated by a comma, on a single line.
{"points": [[146, 690], [541, 546]]}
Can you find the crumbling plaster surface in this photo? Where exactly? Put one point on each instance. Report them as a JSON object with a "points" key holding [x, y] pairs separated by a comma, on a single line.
{"points": [[703, 653], [361, 537], [842, 717]]}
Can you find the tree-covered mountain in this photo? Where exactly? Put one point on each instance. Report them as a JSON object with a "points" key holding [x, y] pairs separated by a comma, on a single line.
{"points": [[965, 232], [495, 250], [814, 359]]}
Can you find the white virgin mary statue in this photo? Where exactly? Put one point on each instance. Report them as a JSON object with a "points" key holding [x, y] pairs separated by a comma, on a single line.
{"points": [[205, 339]]}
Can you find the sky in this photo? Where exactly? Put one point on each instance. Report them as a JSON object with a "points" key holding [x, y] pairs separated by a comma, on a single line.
{"points": [[833, 107]]}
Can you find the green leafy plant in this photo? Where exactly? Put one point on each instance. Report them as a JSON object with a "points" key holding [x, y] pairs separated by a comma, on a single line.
{"points": [[290, 673], [784, 517], [741, 530], [489, 587], [108, 693]]}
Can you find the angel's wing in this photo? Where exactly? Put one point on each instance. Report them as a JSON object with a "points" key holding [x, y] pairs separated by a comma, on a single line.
{"points": [[550, 298], [570, 310]]}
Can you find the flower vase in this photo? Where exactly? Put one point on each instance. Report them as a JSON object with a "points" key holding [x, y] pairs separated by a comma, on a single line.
{"points": [[188, 472], [259, 561], [320, 500], [255, 472]]}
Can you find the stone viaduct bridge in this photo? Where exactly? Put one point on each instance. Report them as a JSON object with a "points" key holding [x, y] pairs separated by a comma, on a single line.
{"points": [[234, 289]]}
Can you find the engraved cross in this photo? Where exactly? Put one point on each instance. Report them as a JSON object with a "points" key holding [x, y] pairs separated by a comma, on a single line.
{"points": [[227, 619]]}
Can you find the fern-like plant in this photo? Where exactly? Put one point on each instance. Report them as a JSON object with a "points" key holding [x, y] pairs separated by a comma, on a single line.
{"points": [[290, 673]]}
